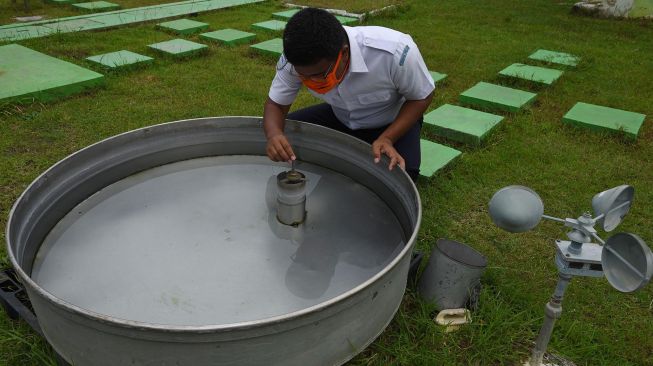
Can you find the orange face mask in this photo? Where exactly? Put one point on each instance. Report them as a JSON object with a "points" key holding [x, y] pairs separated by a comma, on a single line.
{"points": [[329, 81]]}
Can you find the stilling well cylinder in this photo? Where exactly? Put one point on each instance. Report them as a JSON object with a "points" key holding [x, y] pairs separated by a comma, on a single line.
{"points": [[291, 197]]}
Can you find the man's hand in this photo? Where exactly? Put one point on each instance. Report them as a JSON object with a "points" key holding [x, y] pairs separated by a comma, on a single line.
{"points": [[279, 148], [383, 145], [274, 116]]}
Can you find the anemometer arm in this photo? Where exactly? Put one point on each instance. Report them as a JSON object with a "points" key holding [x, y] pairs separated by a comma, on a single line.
{"points": [[582, 227], [553, 218]]}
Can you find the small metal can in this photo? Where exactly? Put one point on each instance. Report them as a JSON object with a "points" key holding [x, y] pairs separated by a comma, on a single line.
{"points": [[291, 197]]}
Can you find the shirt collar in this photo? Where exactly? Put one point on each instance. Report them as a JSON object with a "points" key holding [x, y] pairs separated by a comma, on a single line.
{"points": [[356, 62]]}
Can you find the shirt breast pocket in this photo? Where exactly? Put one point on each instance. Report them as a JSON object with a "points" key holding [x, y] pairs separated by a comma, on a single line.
{"points": [[374, 98]]}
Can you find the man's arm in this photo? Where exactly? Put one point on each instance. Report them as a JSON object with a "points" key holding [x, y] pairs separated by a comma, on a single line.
{"points": [[274, 117], [408, 114], [412, 80]]}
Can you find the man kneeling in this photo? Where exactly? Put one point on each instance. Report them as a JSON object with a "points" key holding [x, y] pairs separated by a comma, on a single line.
{"points": [[373, 81]]}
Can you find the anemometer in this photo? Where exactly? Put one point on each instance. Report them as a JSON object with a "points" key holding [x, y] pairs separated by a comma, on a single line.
{"points": [[624, 259]]}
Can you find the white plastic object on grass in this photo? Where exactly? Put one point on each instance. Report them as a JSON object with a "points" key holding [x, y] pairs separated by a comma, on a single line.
{"points": [[453, 318]]}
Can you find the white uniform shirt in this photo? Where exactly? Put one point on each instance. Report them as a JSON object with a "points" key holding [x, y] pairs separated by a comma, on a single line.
{"points": [[386, 69]]}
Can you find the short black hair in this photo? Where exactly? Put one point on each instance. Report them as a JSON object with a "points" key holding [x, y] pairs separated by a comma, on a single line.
{"points": [[312, 35]]}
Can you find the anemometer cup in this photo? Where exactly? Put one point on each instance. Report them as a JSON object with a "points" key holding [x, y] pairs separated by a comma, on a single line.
{"points": [[516, 209], [613, 204], [627, 262]]}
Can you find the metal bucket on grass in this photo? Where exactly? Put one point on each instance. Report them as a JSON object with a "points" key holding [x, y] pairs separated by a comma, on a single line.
{"points": [[453, 271]]}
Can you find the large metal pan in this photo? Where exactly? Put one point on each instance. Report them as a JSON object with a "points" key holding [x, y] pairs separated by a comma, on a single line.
{"points": [[90, 242]]}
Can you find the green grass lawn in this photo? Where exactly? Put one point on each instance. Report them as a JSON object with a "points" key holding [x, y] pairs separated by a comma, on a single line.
{"points": [[471, 41]]}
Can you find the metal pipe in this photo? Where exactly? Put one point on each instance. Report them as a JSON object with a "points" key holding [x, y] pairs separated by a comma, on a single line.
{"points": [[552, 218], [598, 238], [552, 311]]}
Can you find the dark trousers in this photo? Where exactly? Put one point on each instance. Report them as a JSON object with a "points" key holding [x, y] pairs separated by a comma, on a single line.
{"points": [[407, 145]]}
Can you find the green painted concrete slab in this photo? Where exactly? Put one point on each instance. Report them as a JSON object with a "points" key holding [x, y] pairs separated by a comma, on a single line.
{"points": [[27, 75], [71, 26], [25, 33], [605, 119], [346, 20], [497, 97], [229, 36], [179, 47], [437, 77], [536, 74], [270, 25], [285, 15], [273, 47], [120, 59], [183, 26], [461, 124], [63, 1], [97, 6], [554, 57], [435, 157], [42, 28]]}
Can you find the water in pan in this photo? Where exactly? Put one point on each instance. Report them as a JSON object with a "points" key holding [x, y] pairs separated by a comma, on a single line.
{"points": [[197, 242]]}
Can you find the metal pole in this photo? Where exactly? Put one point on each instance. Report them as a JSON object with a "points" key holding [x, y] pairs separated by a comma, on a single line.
{"points": [[552, 311]]}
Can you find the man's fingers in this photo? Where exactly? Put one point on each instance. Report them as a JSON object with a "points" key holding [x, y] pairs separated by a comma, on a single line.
{"points": [[281, 152], [278, 151], [376, 150], [272, 153], [288, 149], [278, 143], [395, 160], [402, 162]]}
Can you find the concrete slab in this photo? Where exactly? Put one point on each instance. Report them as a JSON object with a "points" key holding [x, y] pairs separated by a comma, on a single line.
{"points": [[554, 57], [97, 6], [497, 97], [228, 36], [605, 119], [120, 59], [536, 74], [42, 28], [461, 124], [71, 26], [273, 47], [63, 1], [270, 25], [25, 33], [179, 48], [435, 157], [437, 77], [183, 26], [285, 15], [27, 75], [346, 20]]}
